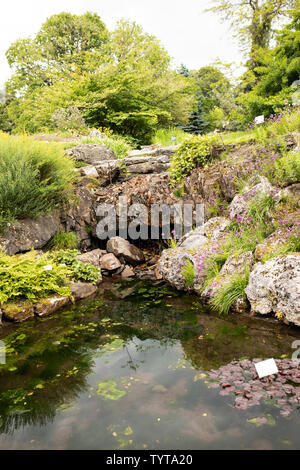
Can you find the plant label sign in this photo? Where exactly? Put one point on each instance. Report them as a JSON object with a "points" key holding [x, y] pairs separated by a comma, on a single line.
{"points": [[266, 368], [259, 119]]}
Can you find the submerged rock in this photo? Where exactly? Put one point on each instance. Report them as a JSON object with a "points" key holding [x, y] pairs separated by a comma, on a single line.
{"points": [[82, 290], [239, 379], [275, 287]]}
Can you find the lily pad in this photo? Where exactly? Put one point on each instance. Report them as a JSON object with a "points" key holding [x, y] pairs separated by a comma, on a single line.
{"points": [[109, 391]]}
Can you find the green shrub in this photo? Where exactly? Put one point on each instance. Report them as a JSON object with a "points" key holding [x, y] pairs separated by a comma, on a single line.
{"points": [[287, 168], [194, 151], [272, 133], [34, 177], [79, 271], [229, 292], [27, 276], [85, 272], [64, 241]]}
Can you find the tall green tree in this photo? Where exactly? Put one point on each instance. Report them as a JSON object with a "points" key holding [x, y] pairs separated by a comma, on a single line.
{"points": [[64, 44], [253, 22], [279, 71], [132, 90]]}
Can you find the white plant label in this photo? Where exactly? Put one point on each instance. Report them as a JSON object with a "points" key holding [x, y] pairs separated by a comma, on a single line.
{"points": [[266, 368], [259, 119]]}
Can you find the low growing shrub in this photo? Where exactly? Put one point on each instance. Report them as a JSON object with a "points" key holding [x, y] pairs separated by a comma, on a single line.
{"points": [[194, 151], [31, 276], [79, 271]]}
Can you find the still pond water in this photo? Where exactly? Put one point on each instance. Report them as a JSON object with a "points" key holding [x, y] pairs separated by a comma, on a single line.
{"points": [[128, 370]]}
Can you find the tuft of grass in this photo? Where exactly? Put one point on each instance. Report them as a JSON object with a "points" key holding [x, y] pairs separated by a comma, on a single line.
{"points": [[188, 272], [118, 144], [64, 241], [229, 292]]}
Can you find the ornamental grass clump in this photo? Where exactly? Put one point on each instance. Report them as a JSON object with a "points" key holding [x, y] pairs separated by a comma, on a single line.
{"points": [[230, 292], [35, 177]]}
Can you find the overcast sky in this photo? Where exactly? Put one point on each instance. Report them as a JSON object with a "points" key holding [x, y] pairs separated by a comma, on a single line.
{"points": [[191, 36]]}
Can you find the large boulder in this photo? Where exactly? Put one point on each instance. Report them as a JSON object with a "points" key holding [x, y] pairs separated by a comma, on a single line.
{"points": [[121, 248], [272, 243], [171, 266], [235, 264], [92, 154], [28, 234], [92, 257], [275, 287], [110, 262], [193, 249]]}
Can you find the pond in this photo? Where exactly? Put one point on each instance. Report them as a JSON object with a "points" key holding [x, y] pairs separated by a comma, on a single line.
{"points": [[129, 370]]}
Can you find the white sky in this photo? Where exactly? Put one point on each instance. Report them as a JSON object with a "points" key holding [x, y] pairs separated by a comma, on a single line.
{"points": [[191, 36]]}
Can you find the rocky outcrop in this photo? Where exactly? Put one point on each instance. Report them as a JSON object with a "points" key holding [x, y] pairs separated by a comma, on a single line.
{"points": [[271, 244], [192, 249], [275, 287], [122, 249], [240, 204], [78, 216], [91, 154], [28, 234]]}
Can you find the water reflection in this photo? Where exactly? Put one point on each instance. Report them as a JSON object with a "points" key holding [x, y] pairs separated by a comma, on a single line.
{"points": [[124, 371]]}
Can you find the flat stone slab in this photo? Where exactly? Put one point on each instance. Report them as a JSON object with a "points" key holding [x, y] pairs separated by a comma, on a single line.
{"points": [[18, 312], [50, 305]]}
